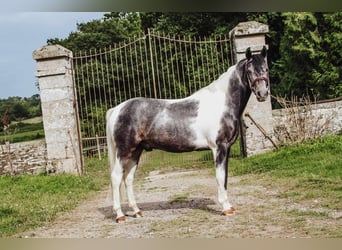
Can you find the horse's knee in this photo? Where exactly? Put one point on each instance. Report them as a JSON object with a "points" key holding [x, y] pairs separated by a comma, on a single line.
{"points": [[129, 176], [129, 179]]}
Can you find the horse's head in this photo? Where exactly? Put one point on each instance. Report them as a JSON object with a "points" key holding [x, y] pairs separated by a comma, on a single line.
{"points": [[257, 74]]}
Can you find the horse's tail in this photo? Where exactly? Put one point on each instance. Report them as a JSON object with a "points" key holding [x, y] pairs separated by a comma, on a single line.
{"points": [[110, 141], [112, 150]]}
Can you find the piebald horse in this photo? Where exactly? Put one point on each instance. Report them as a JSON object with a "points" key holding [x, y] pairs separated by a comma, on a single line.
{"points": [[208, 119]]}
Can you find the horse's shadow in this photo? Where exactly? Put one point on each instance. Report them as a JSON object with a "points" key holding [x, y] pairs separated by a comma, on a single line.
{"points": [[192, 203]]}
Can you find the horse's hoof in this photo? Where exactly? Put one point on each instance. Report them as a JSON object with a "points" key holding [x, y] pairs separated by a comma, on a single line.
{"points": [[138, 214], [121, 219], [229, 212]]}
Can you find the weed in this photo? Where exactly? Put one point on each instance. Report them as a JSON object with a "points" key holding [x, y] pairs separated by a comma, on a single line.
{"points": [[178, 198]]}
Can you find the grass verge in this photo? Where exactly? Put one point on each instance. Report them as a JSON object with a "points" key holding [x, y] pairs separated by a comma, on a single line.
{"points": [[28, 201], [306, 172]]}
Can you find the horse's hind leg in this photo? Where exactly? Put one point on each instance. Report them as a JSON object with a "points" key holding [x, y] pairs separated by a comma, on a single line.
{"points": [[129, 177], [116, 178]]}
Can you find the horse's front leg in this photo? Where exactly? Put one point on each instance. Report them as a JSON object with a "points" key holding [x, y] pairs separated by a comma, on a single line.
{"points": [[221, 160]]}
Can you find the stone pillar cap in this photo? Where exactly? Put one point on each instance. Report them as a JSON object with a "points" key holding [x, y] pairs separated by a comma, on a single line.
{"points": [[252, 27], [51, 51]]}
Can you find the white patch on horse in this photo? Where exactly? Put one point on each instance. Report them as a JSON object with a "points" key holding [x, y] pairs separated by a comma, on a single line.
{"points": [[208, 119]]}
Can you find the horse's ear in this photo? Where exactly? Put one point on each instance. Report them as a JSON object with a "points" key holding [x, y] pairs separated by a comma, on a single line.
{"points": [[248, 53], [264, 51]]}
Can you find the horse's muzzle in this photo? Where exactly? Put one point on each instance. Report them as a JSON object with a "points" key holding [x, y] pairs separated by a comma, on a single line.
{"points": [[261, 99], [261, 90]]}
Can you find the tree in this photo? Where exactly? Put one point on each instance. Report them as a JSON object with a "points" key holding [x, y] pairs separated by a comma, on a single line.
{"points": [[328, 73], [309, 56], [18, 108], [298, 50], [20, 111], [194, 23], [304, 48]]}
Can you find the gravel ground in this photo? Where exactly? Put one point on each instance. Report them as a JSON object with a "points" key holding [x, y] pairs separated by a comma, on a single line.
{"points": [[184, 205]]}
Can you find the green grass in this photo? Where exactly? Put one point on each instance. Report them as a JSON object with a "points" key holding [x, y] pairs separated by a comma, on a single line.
{"points": [[307, 172], [28, 201], [33, 120], [321, 158], [178, 198], [27, 130]]}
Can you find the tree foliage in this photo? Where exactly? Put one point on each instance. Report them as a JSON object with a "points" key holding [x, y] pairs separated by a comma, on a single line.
{"points": [[305, 48], [328, 73], [304, 54], [309, 55], [18, 108]]}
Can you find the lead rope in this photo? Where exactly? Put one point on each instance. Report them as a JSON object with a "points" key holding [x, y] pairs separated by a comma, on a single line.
{"points": [[262, 130]]}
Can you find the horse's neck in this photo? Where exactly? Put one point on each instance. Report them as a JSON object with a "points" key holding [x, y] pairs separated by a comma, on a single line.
{"points": [[236, 90], [221, 84]]}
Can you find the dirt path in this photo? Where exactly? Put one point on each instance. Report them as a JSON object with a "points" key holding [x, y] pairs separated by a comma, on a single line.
{"points": [[184, 204]]}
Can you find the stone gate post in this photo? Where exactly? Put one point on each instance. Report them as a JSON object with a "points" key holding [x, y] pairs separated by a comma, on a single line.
{"points": [[257, 114], [59, 108]]}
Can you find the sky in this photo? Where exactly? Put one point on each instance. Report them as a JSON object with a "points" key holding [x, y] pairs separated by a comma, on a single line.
{"points": [[23, 32]]}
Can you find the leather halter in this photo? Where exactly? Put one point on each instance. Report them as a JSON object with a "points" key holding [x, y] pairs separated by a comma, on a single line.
{"points": [[259, 78]]}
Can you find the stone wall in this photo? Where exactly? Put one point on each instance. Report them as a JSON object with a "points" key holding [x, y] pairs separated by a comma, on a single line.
{"points": [[323, 118], [23, 157]]}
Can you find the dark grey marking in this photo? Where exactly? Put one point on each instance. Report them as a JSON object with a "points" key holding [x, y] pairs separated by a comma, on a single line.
{"points": [[141, 126], [229, 125], [238, 93]]}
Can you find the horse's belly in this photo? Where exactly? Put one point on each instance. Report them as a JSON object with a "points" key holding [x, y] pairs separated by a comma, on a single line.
{"points": [[168, 143], [173, 137]]}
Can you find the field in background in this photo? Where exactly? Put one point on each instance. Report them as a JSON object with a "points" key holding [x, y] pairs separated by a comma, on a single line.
{"points": [[25, 130]]}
